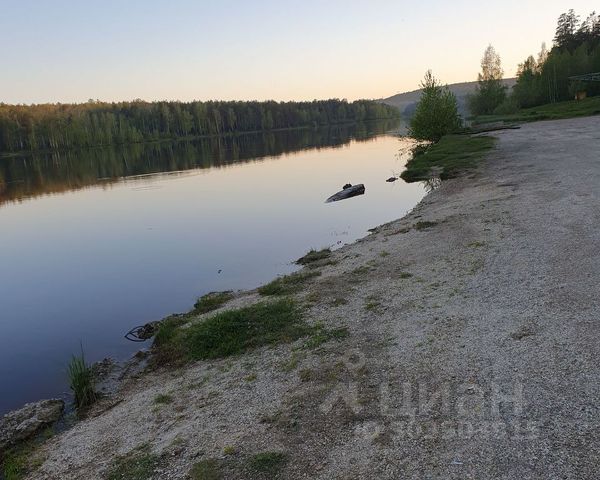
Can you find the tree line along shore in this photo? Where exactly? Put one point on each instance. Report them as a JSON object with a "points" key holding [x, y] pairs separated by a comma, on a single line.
{"points": [[95, 123]]}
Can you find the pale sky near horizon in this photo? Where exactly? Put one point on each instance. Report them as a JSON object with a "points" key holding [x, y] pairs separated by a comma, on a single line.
{"points": [[73, 50]]}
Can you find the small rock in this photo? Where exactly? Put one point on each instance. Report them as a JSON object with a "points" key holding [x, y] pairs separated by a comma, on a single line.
{"points": [[392, 179], [20, 425]]}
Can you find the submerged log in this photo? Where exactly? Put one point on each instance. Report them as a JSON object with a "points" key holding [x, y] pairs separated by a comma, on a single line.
{"points": [[347, 192]]}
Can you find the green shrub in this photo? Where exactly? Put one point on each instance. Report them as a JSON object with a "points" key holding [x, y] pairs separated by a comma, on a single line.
{"points": [[507, 107], [437, 112]]}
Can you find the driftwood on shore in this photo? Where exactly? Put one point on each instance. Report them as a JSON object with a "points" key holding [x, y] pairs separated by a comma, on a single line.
{"points": [[347, 192]]}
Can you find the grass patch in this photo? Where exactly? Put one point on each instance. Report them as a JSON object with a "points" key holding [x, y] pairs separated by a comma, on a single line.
{"points": [[320, 335], [451, 156], [372, 306], [81, 381], [212, 301], [269, 463], [314, 256], [15, 466], [552, 111], [139, 464], [20, 461], [359, 274], [476, 244], [233, 332], [405, 275], [163, 399], [209, 469], [288, 284], [424, 225]]}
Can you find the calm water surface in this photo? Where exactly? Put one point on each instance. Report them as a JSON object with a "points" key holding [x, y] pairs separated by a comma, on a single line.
{"points": [[93, 243]]}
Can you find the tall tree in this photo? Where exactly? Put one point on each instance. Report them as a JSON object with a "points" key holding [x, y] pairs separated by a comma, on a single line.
{"points": [[566, 29], [490, 91]]}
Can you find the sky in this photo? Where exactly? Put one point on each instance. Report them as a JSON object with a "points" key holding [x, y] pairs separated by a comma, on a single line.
{"points": [[75, 50]]}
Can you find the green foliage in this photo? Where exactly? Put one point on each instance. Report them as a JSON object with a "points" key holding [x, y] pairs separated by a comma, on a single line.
{"points": [[209, 469], [576, 51], [166, 349], [287, 284], [62, 126], [212, 301], [507, 107], [437, 112], [14, 466], [490, 92], [233, 332], [314, 256], [20, 461], [451, 156], [81, 381], [136, 465], [552, 111], [269, 463]]}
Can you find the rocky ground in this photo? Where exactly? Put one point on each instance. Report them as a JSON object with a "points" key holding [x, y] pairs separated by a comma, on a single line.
{"points": [[473, 348]]}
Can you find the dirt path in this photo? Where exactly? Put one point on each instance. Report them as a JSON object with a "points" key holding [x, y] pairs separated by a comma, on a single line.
{"points": [[473, 347]]}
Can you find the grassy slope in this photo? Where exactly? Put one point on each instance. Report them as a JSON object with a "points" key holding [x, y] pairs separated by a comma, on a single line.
{"points": [[552, 111], [452, 155]]}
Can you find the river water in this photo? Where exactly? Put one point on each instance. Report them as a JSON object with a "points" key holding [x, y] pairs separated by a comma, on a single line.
{"points": [[95, 242]]}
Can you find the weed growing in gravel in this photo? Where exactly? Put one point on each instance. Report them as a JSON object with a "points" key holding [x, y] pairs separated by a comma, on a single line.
{"points": [[372, 306], [138, 464], [229, 450], [163, 399], [476, 244], [288, 284], [269, 463], [314, 256], [320, 335], [424, 225], [212, 301], [209, 469]]}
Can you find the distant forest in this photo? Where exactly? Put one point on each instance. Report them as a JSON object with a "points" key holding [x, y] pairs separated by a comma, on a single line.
{"points": [[576, 51], [53, 171], [91, 124]]}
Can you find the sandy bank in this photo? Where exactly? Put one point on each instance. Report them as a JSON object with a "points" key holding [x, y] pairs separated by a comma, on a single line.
{"points": [[473, 346]]}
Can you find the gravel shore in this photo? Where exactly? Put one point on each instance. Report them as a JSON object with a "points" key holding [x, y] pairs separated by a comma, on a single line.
{"points": [[473, 347]]}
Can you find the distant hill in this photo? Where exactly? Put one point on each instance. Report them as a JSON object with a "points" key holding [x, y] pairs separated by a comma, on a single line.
{"points": [[407, 102]]}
